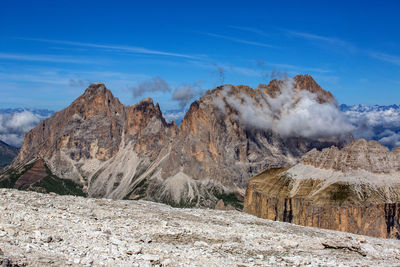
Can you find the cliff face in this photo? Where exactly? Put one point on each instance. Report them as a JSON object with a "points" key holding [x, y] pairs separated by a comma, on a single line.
{"points": [[119, 151], [355, 189], [212, 142], [99, 143]]}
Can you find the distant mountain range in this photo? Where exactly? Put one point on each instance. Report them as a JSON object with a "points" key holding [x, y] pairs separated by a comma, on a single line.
{"points": [[132, 152], [174, 115], [372, 122], [380, 123], [7, 154]]}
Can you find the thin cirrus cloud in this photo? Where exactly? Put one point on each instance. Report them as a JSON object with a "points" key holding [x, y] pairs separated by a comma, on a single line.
{"points": [[120, 48], [324, 39], [237, 40], [44, 58], [261, 63], [385, 57], [250, 29]]}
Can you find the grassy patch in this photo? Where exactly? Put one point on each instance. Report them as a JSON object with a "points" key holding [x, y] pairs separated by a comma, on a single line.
{"points": [[52, 183], [230, 199], [341, 192], [140, 189], [181, 204], [59, 186]]}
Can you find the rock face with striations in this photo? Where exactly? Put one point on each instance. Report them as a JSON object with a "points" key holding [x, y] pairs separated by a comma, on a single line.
{"points": [[100, 143], [118, 151], [212, 145], [355, 189]]}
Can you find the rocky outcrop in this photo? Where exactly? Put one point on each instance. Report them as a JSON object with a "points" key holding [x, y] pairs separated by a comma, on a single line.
{"points": [[98, 142], [302, 82], [355, 189], [118, 151], [212, 142]]}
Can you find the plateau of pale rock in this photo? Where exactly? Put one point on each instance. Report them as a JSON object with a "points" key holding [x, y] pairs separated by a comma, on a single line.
{"points": [[354, 189], [50, 230]]}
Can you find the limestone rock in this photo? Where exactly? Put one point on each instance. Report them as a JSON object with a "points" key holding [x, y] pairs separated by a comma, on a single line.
{"points": [[131, 152], [340, 189], [220, 205], [191, 237]]}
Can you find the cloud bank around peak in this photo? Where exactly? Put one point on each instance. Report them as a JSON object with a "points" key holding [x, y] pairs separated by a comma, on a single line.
{"points": [[291, 113]]}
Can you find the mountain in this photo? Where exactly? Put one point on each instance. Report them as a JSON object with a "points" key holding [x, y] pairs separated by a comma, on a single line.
{"points": [[354, 189], [376, 122], [118, 151], [7, 154], [366, 108]]}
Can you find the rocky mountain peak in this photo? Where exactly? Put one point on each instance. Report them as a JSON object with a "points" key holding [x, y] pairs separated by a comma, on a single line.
{"points": [[306, 82], [119, 151], [147, 100], [301, 82], [147, 105], [95, 89]]}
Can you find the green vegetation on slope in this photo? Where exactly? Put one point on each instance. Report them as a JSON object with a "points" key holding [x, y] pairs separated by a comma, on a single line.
{"points": [[230, 199], [50, 183], [12, 175], [59, 186]]}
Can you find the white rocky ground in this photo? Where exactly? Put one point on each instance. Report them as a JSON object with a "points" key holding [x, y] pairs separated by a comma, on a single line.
{"points": [[50, 230]]}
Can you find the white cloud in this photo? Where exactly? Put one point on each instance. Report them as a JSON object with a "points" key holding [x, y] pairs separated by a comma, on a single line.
{"points": [[45, 58], [381, 123], [237, 40], [156, 84], [120, 48], [174, 115], [394, 59], [13, 126], [184, 95], [291, 113]]}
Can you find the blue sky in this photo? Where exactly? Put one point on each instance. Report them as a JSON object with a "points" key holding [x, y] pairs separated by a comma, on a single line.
{"points": [[51, 50]]}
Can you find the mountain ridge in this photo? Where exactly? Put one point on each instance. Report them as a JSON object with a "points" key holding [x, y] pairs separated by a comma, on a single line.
{"points": [[119, 151]]}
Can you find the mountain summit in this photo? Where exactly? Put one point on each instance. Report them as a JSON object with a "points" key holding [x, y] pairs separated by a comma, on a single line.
{"points": [[118, 151]]}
